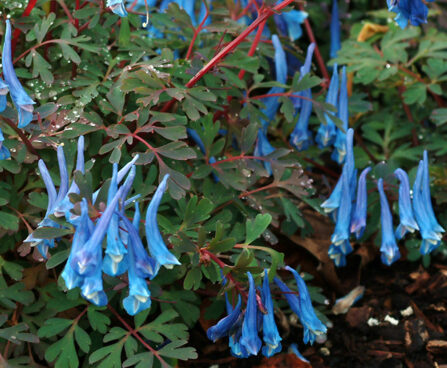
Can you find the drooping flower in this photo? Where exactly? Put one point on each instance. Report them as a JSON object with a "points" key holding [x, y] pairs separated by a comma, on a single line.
{"points": [[22, 101], [431, 238], [271, 336], [333, 202], [223, 327], [389, 249], [407, 220], [340, 237], [71, 277], [250, 339], [358, 220], [157, 247], [3, 92], [118, 7], [294, 349], [413, 11], [339, 153], [312, 325], [427, 197], [4, 151], [115, 260], [92, 287], [301, 137], [326, 132], [335, 30], [235, 333], [140, 266], [264, 148], [289, 23]]}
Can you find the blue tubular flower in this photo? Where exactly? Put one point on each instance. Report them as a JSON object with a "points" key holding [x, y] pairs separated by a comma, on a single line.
{"points": [[71, 277], [223, 327], [358, 221], [333, 202], [312, 325], [92, 287], [289, 24], [237, 350], [407, 221], [430, 237], [326, 132], [65, 205], [145, 266], [427, 197], [340, 238], [264, 148], [139, 268], [271, 336], [115, 261], [294, 349], [118, 7], [4, 151], [250, 339], [389, 249], [413, 11], [335, 30], [22, 101], [3, 92], [87, 260], [301, 137], [157, 247], [339, 153]]}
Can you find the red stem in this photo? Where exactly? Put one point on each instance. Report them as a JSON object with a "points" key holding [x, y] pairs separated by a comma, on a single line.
{"points": [[197, 31], [138, 337], [254, 45], [320, 61]]}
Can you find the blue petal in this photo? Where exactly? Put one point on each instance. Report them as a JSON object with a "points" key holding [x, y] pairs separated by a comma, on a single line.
{"points": [[407, 220], [3, 92], [223, 327], [358, 221], [118, 7], [271, 336], [157, 247], [264, 148], [335, 30], [22, 101]]}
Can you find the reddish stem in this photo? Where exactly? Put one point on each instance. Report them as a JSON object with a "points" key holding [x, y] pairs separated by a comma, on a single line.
{"points": [[22, 136], [138, 337], [17, 31], [320, 61], [254, 45], [197, 31]]}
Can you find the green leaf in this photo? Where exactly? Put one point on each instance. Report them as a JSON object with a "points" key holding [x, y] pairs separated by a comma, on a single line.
{"points": [[142, 360], [174, 350], [63, 352], [57, 259], [192, 279], [98, 321], [54, 326], [9, 221], [51, 232], [83, 339], [254, 228], [439, 116]]}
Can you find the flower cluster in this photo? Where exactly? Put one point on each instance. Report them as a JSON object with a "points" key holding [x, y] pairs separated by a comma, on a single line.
{"points": [[415, 214], [124, 250], [243, 327], [413, 11]]}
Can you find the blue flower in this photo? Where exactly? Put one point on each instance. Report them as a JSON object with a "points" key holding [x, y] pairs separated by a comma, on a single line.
{"points": [[271, 336], [3, 92], [340, 238], [358, 221], [88, 259], [71, 277], [118, 7], [333, 202], [301, 137], [326, 132], [92, 287], [312, 325], [115, 260], [223, 327], [427, 197], [335, 30], [413, 11], [389, 249], [4, 151], [250, 339], [65, 205], [140, 266], [264, 148], [407, 221], [157, 247], [22, 101], [431, 238], [288, 23], [294, 349], [339, 152]]}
